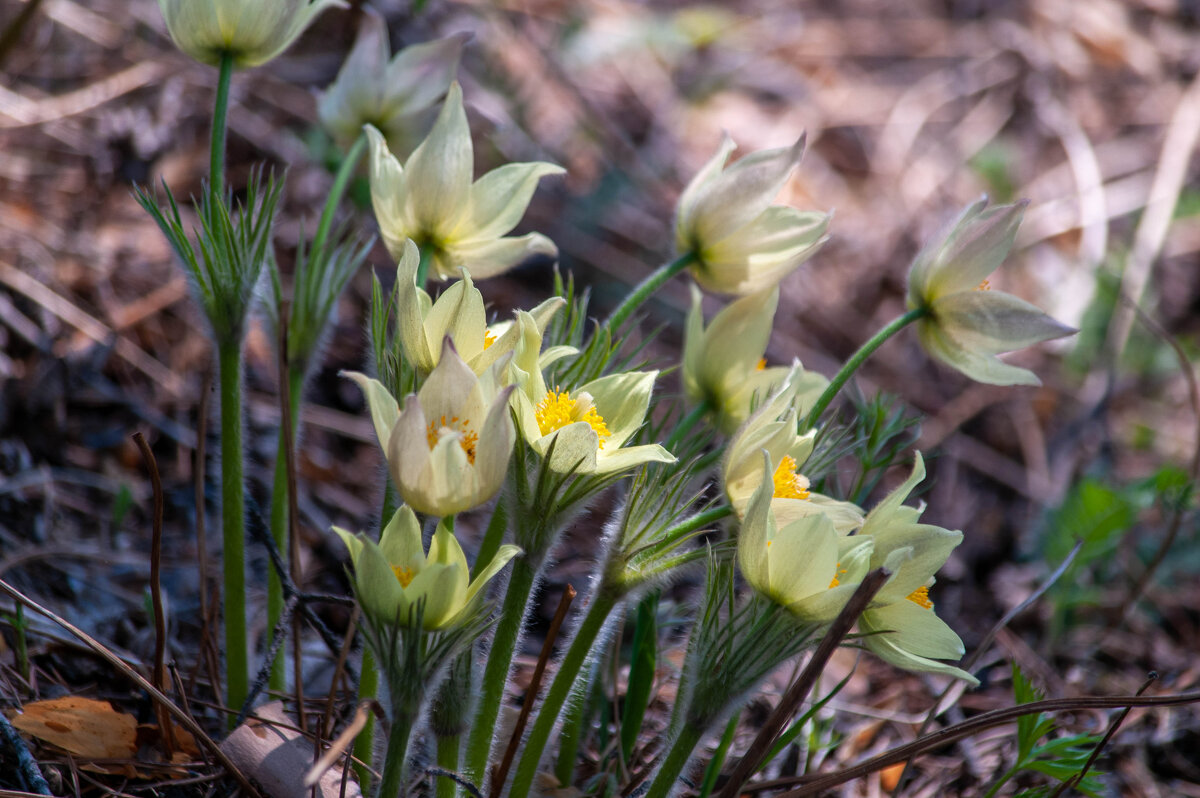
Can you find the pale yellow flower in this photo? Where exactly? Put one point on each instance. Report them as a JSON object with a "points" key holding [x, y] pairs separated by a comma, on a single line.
{"points": [[586, 425], [423, 324], [397, 93], [742, 243], [901, 626], [448, 450], [804, 565], [396, 575], [432, 200], [772, 429], [966, 324], [724, 365], [251, 31]]}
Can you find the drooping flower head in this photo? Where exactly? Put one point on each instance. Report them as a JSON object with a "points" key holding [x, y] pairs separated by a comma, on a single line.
{"points": [[587, 425], [741, 242], [395, 575], [803, 565], [448, 450], [901, 625], [723, 363], [395, 94], [251, 31], [423, 324], [432, 200], [772, 429], [966, 324]]}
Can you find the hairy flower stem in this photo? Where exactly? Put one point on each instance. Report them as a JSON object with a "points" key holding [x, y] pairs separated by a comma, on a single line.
{"points": [[337, 191], [279, 527], [856, 360], [233, 518], [447, 759], [495, 672], [676, 759], [368, 676], [216, 167], [645, 289], [585, 637], [392, 783]]}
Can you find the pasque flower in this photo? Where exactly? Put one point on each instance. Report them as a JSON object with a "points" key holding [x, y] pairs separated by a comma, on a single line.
{"points": [[432, 200], [252, 32], [448, 450], [723, 363], [965, 323], [396, 94], [772, 429], [740, 241], [804, 565], [586, 425], [423, 324], [901, 625], [394, 576]]}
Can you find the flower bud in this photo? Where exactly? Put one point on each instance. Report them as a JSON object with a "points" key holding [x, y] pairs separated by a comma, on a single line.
{"points": [[251, 31]]}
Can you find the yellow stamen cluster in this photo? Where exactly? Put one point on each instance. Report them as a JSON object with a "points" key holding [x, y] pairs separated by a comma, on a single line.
{"points": [[557, 409], [761, 365], [789, 484], [920, 597], [403, 575], [467, 437], [488, 339], [986, 285], [839, 572]]}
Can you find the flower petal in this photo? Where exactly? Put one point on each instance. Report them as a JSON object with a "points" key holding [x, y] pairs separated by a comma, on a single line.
{"points": [[384, 410], [400, 540], [501, 558], [499, 199], [622, 400], [627, 457], [388, 193], [739, 194], [489, 257], [438, 173], [379, 591]]}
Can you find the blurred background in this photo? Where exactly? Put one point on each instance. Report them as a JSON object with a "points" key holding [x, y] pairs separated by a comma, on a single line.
{"points": [[1090, 110]]}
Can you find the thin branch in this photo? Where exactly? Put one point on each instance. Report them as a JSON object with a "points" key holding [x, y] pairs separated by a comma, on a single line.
{"points": [[160, 618], [501, 774], [800, 689], [816, 784]]}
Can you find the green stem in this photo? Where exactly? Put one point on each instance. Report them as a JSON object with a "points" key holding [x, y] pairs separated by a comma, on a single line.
{"points": [[856, 360], [686, 423], [337, 191], [495, 672], [279, 528], [216, 168], [368, 677], [447, 759], [677, 758], [423, 266], [392, 783], [570, 733], [647, 287], [996, 787], [560, 688], [233, 517]]}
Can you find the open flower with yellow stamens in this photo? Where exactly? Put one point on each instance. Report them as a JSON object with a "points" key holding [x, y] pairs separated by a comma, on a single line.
{"points": [[395, 575], [448, 450], [901, 625], [966, 324], [772, 428], [586, 425], [433, 201], [740, 241], [724, 366], [422, 323], [803, 565]]}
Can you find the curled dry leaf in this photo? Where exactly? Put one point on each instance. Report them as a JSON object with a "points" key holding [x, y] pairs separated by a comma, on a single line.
{"points": [[86, 727]]}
